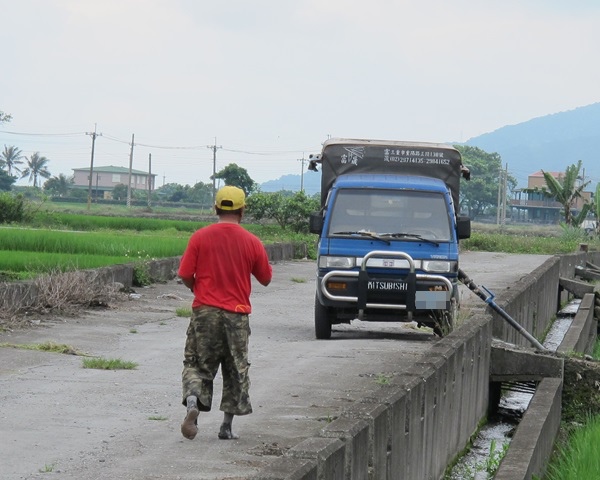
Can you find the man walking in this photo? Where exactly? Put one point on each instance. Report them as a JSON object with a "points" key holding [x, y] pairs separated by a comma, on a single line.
{"points": [[217, 266]]}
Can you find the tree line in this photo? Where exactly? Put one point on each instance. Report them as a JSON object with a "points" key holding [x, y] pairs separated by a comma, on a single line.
{"points": [[478, 197]]}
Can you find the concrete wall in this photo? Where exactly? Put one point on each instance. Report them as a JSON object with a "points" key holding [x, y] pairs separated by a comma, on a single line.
{"points": [[581, 336], [410, 429], [533, 441], [531, 301], [23, 293]]}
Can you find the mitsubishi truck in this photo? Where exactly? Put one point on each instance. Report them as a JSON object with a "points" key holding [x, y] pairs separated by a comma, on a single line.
{"points": [[388, 231]]}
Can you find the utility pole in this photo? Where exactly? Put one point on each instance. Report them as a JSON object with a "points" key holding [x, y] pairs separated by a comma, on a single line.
{"points": [[93, 135], [149, 177], [302, 173], [504, 195], [499, 199], [214, 179], [130, 168]]}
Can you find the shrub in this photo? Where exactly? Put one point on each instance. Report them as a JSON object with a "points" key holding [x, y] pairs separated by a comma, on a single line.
{"points": [[13, 208], [289, 211]]}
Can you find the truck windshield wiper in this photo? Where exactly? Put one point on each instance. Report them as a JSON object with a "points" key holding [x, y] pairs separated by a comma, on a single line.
{"points": [[409, 235], [364, 233]]}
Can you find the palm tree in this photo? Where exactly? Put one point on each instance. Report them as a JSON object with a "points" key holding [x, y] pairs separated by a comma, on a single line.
{"points": [[566, 190], [59, 185], [11, 157], [36, 167]]}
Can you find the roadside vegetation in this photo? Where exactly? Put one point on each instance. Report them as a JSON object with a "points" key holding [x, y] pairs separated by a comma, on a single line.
{"points": [[578, 459], [109, 364], [45, 347]]}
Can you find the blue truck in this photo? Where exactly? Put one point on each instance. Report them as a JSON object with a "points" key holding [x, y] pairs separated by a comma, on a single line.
{"points": [[389, 233]]}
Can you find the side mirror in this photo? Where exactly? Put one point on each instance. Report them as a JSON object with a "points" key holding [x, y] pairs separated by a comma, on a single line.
{"points": [[315, 223], [463, 227]]}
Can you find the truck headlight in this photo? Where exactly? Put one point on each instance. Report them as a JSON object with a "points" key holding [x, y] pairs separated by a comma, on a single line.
{"points": [[438, 266], [326, 261]]}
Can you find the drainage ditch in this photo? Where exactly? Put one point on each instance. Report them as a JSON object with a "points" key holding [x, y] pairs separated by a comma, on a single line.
{"points": [[492, 440]]}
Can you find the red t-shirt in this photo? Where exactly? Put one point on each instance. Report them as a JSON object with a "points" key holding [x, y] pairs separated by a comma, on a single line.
{"points": [[221, 257]]}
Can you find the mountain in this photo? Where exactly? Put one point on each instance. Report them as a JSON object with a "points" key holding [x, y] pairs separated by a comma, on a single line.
{"points": [[310, 181], [550, 143]]}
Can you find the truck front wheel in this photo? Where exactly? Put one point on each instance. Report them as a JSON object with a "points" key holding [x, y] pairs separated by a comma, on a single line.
{"points": [[323, 317], [444, 320]]}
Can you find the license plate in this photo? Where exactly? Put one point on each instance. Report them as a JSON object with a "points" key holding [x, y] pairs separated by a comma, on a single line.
{"points": [[432, 300]]}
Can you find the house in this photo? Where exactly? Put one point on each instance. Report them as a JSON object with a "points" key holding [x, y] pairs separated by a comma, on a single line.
{"points": [[104, 180], [534, 203]]}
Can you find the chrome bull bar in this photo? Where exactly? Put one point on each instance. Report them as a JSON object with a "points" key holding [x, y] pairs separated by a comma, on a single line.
{"points": [[363, 271]]}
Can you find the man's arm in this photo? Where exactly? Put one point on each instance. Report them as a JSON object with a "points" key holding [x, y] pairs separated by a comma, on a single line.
{"points": [[188, 282]]}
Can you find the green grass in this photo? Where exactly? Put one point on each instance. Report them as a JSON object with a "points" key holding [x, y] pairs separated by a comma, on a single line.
{"points": [[183, 312], [79, 221], [118, 244], [27, 252], [108, 364], [578, 459], [30, 264], [44, 347], [519, 243], [47, 468]]}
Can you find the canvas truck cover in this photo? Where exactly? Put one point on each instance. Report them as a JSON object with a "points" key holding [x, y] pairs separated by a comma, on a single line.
{"points": [[341, 156]]}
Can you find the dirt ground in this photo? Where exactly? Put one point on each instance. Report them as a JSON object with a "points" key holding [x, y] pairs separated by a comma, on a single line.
{"points": [[60, 420]]}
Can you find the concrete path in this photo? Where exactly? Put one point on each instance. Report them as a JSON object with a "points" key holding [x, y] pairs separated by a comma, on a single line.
{"points": [[59, 420]]}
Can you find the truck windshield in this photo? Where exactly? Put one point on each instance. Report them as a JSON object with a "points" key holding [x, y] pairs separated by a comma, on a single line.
{"points": [[401, 214]]}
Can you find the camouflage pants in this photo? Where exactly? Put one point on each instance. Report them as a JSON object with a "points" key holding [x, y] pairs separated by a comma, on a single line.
{"points": [[216, 338]]}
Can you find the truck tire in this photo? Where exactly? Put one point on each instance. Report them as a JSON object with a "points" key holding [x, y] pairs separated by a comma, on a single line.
{"points": [[322, 321], [445, 320]]}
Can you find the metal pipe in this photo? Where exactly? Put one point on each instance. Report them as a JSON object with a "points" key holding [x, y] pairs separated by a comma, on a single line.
{"points": [[488, 297]]}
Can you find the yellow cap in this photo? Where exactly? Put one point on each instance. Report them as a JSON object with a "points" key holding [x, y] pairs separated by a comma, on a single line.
{"points": [[230, 198]]}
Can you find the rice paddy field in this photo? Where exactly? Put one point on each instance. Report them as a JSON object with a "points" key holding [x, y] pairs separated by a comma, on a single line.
{"points": [[71, 241]]}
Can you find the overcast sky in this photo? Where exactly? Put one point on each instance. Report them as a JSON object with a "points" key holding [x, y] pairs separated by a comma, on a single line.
{"points": [[270, 80]]}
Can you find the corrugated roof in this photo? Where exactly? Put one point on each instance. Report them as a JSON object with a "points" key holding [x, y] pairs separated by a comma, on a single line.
{"points": [[113, 169]]}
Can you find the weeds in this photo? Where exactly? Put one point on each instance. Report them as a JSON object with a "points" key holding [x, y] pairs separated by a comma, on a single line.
{"points": [[578, 458], [48, 468], [45, 347], [141, 274], [56, 292], [109, 364], [492, 462], [382, 379], [298, 280], [489, 465], [183, 312]]}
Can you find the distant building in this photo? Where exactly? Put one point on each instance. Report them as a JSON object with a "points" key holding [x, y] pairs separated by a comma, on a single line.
{"points": [[104, 180], [534, 203]]}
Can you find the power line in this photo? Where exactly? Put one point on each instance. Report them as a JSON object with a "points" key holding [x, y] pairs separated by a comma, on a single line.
{"points": [[72, 134]]}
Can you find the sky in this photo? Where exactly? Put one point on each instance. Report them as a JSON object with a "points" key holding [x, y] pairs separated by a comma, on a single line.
{"points": [[202, 84]]}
